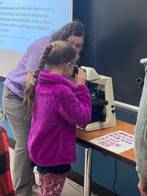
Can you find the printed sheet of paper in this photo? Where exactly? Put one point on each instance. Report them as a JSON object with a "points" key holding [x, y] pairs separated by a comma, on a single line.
{"points": [[117, 142]]}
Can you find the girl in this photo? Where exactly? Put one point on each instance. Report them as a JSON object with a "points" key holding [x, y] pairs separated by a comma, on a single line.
{"points": [[57, 106], [14, 108]]}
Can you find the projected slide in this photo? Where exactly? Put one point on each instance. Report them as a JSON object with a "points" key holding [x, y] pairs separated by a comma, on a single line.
{"points": [[22, 22]]}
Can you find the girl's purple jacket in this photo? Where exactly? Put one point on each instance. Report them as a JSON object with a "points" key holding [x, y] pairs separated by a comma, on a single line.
{"points": [[60, 104]]}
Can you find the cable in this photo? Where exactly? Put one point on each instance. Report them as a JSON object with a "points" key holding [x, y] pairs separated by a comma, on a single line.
{"points": [[94, 51], [115, 179]]}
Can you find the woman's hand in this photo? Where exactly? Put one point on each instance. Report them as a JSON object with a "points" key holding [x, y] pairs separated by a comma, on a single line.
{"points": [[30, 79]]}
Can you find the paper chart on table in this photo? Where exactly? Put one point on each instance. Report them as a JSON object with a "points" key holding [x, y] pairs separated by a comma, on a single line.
{"points": [[117, 142]]}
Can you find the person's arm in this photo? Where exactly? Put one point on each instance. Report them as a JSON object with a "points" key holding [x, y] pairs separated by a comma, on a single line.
{"points": [[141, 140], [32, 62], [75, 107], [32, 57]]}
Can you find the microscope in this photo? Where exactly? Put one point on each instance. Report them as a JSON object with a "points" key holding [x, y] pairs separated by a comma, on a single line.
{"points": [[103, 108]]}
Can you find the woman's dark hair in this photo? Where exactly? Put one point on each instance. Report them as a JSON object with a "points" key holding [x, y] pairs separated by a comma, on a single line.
{"points": [[73, 28], [56, 53]]}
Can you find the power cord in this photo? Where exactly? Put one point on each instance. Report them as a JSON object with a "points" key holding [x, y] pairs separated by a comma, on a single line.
{"points": [[115, 179]]}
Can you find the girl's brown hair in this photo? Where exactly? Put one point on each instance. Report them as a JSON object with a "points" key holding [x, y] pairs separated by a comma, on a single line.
{"points": [[56, 54]]}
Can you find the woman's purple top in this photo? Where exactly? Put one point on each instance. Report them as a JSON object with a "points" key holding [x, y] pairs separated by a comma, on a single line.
{"points": [[16, 79]]}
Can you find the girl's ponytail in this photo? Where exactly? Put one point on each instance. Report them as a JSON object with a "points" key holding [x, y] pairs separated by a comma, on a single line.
{"points": [[30, 90]]}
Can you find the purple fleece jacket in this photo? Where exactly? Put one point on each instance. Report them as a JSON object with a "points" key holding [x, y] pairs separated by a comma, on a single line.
{"points": [[59, 106]]}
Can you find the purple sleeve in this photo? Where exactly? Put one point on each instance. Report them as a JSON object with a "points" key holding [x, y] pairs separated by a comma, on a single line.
{"points": [[31, 59], [34, 52], [75, 107]]}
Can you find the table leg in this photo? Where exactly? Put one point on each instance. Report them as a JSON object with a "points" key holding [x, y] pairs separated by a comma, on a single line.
{"points": [[87, 171]]}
